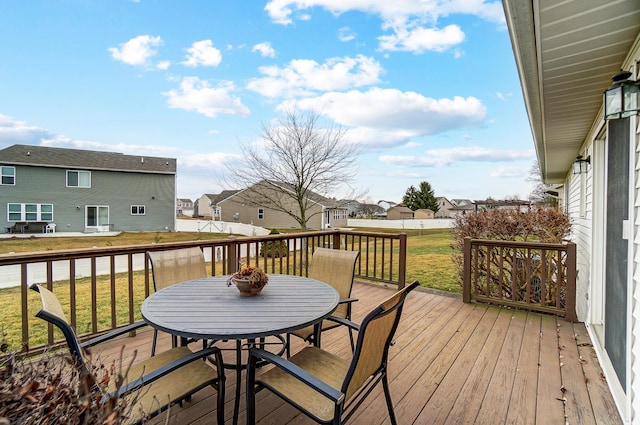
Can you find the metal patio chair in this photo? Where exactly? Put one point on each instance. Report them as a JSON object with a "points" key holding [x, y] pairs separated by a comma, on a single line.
{"points": [[336, 268], [151, 385], [326, 387], [175, 266]]}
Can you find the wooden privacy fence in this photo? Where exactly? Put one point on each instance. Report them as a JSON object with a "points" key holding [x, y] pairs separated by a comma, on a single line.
{"points": [[102, 288], [527, 275]]}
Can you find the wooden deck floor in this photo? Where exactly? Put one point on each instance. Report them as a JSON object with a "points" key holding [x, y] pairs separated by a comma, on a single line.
{"points": [[453, 363]]}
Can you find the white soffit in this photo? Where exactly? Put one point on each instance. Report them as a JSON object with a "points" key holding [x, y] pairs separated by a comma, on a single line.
{"points": [[566, 53]]}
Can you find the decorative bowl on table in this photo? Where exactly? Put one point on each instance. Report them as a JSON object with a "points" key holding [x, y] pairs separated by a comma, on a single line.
{"points": [[249, 280]]}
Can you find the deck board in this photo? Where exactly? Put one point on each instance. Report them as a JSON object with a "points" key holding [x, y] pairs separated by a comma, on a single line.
{"points": [[452, 363]]}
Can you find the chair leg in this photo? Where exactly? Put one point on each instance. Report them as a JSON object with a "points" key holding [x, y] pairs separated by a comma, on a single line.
{"points": [[153, 344], [387, 396], [353, 346], [288, 345], [250, 391], [220, 403]]}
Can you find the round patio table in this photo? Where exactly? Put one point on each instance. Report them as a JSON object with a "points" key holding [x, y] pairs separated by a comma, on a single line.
{"points": [[208, 309]]}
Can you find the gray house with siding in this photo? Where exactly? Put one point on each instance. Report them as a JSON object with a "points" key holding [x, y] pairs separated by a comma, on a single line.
{"points": [[262, 204], [86, 191]]}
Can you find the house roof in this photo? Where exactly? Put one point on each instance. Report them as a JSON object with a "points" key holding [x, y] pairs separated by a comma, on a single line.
{"points": [[41, 156], [312, 196], [215, 198], [566, 53], [401, 208], [461, 202]]}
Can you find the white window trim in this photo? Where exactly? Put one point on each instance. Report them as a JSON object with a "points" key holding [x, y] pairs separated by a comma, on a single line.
{"points": [[13, 175], [79, 172], [23, 212], [137, 207]]}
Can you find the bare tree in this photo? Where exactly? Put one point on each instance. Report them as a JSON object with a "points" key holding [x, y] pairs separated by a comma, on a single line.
{"points": [[297, 165], [539, 194]]}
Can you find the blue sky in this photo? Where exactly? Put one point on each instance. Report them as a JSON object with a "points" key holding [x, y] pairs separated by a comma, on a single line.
{"points": [[428, 89]]}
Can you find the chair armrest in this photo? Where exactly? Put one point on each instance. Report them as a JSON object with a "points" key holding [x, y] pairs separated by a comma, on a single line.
{"points": [[298, 373], [347, 300], [346, 322], [110, 335], [166, 369]]}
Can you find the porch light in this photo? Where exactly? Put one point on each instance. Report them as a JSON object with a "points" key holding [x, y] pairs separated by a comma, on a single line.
{"points": [[621, 99], [581, 165]]}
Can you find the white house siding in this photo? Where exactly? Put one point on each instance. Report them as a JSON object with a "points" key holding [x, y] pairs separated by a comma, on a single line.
{"points": [[634, 341], [580, 212]]}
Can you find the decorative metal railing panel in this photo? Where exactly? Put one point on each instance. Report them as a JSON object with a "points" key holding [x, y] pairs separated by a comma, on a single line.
{"points": [[534, 276]]}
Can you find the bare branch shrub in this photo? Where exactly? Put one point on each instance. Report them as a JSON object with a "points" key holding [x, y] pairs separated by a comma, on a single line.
{"points": [[547, 225], [51, 390]]}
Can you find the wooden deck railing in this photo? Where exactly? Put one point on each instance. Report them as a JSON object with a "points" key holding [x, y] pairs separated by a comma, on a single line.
{"points": [[533, 276], [103, 288]]}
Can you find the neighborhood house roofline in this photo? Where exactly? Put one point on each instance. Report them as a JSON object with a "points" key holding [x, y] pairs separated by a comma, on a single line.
{"points": [[41, 156], [284, 186]]}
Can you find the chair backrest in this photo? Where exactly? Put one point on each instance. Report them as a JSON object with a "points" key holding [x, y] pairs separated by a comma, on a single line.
{"points": [[53, 313], [374, 338], [176, 265], [336, 268]]}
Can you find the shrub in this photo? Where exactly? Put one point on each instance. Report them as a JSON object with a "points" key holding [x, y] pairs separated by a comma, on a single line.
{"points": [[51, 390], [274, 248], [548, 225]]}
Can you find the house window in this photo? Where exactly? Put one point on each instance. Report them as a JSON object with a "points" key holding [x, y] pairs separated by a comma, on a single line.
{"points": [[260, 213], [30, 212], [137, 209], [8, 175], [336, 214], [78, 178], [344, 214]]}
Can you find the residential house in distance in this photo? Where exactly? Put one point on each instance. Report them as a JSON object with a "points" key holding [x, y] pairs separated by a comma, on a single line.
{"points": [[207, 206], [371, 211], [387, 204], [461, 202], [399, 212], [424, 213], [446, 208], [85, 191], [246, 206], [568, 54], [184, 207]]}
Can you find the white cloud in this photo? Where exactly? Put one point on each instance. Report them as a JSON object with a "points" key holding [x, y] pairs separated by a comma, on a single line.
{"points": [[444, 157], [419, 39], [405, 18], [345, 34], [202, 53], [265, 49], [211, 160], [304, 76], [390, 117], [136, 51], [19, 132], [198, 96], [163, 65], [510, 171], [281, 11]]}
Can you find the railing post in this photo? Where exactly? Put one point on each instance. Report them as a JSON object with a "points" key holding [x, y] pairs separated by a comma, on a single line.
{"points": [[402, 261], [25, 307], [336, 240], [466, 270], [570, 302], [232, 258]]}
